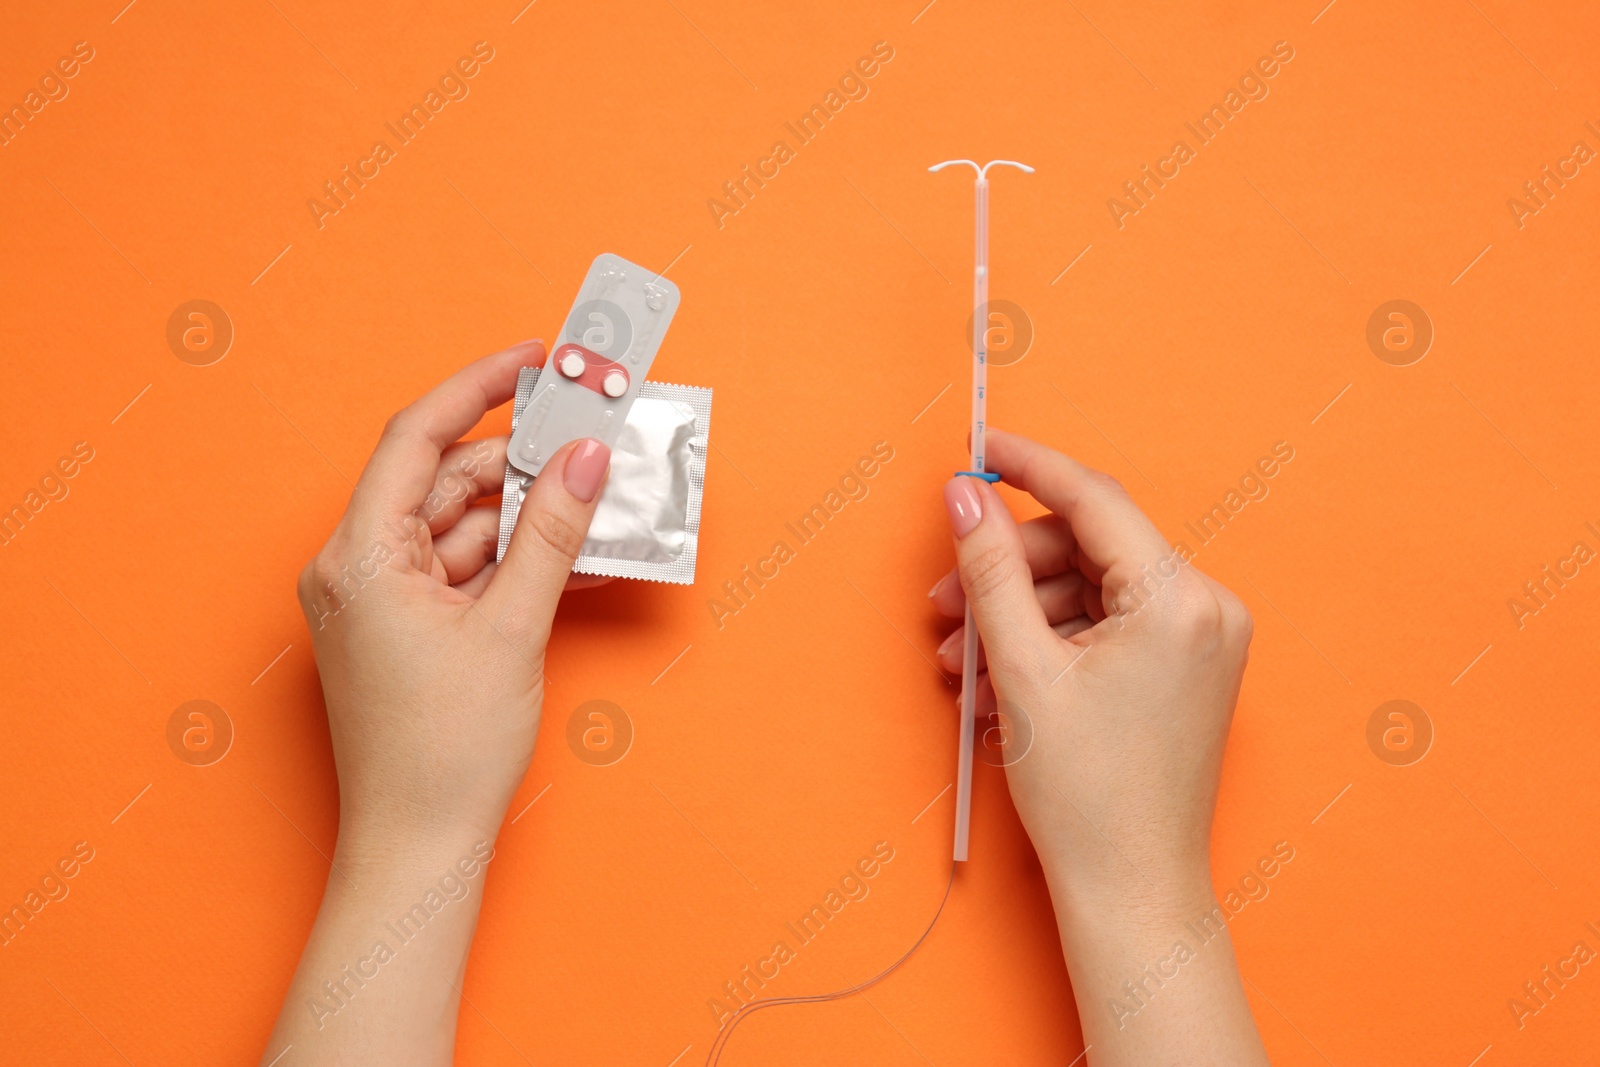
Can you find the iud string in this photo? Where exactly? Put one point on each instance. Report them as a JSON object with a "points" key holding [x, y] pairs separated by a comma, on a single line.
{"points": [[721, 1040]]}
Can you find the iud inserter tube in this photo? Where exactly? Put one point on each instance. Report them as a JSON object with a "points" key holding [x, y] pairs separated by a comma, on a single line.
{"points": [[980, 387]]}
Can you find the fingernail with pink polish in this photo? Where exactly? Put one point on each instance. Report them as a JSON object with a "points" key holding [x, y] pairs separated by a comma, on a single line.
{"points": [[586, 468], [949, 645], [961, 500]]}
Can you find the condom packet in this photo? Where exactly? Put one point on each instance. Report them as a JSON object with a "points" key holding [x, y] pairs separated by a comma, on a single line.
{"points": [[647, 522]]}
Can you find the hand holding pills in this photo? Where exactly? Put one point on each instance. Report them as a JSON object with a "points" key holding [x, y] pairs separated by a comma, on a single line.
{"points": [[430, 619], [431, 658], [1124, 664]]}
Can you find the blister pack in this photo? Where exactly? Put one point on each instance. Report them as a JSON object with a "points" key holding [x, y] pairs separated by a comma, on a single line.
{"points": [[647, 521], [600, 361]]}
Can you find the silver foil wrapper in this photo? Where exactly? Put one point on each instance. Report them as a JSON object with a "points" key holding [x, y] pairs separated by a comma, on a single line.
{"points": [[647, 523]]}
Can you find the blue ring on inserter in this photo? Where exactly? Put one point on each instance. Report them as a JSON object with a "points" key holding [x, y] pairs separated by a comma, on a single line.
{"points": [[988, 476]]}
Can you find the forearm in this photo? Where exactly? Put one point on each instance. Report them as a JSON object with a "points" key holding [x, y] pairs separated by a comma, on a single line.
{"points": [[1155, 977], [379, 980]]}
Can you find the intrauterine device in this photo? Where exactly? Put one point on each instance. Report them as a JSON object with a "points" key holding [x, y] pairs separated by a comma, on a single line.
{"points": [[980, 401]]}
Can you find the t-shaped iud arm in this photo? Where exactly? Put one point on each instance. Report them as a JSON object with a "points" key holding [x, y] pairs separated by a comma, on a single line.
{"points": [[980, 388], [983, 171]]}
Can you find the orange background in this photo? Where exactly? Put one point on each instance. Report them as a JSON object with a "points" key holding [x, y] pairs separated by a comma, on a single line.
{"points": [[1225, 316]]}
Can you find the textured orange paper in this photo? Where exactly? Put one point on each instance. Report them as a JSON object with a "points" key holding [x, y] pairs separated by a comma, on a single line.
{"points": [[1188, 327]]}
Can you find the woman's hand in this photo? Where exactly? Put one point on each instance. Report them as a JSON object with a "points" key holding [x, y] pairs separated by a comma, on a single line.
{"points": [[432, 664], [431, 655], [1114, 668]]}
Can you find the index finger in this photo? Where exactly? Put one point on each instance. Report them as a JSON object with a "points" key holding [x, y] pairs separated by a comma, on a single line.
{"points": [[1114, 537], [403, 467]]}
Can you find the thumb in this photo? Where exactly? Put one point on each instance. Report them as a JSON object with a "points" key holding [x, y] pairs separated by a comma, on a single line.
{"points": [[551, 527], [993, 566]]}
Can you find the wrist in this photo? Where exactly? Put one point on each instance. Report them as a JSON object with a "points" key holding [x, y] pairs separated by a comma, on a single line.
{"points": [[398, 913], [386, 857], [1112, 928], [388, 850], [380, 820], [1154, 973], [1128, 898]]}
